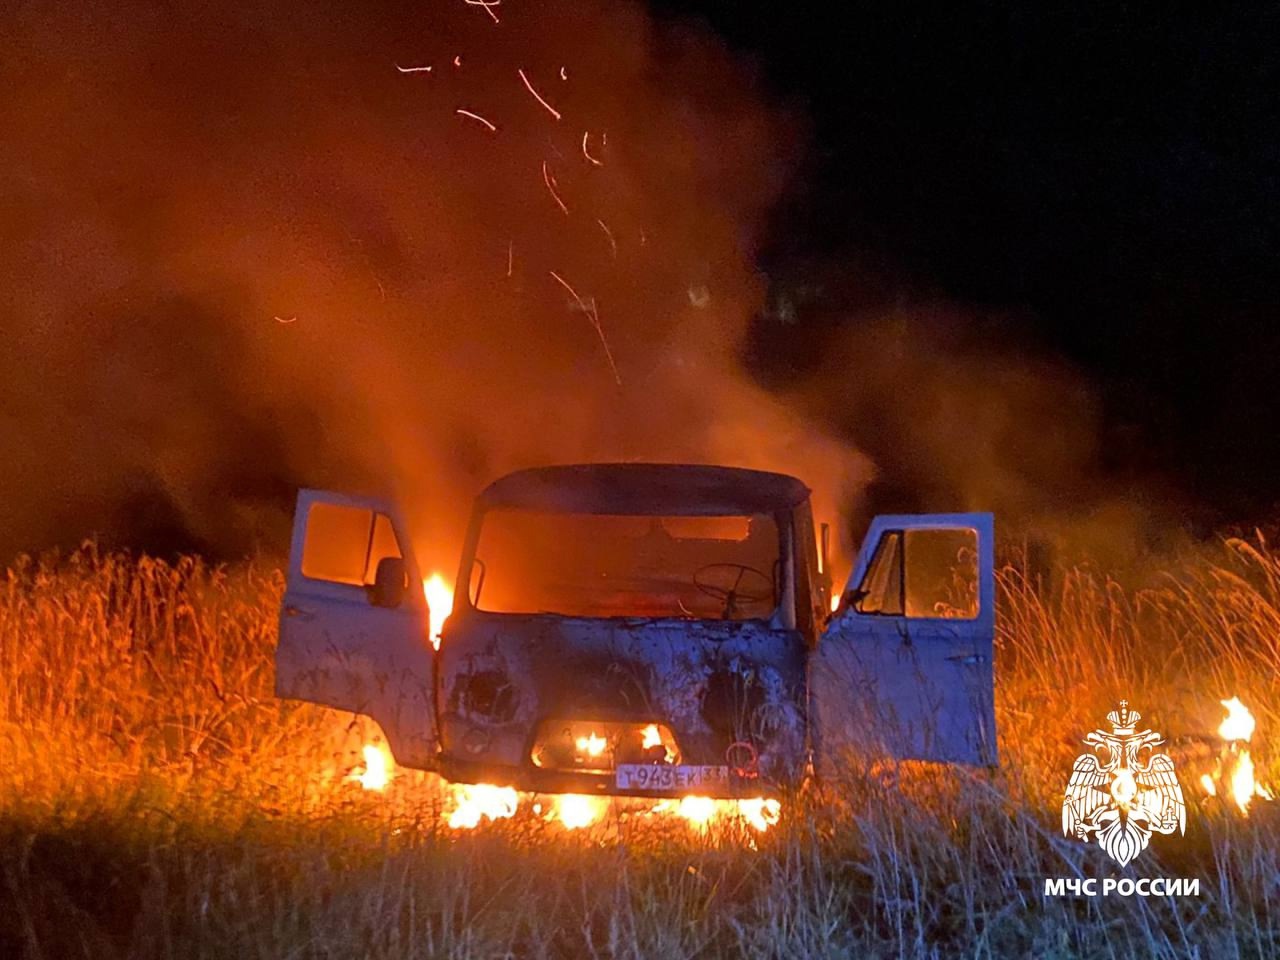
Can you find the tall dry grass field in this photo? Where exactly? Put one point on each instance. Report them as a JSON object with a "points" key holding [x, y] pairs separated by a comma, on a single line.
{"points": [[157, 801]]}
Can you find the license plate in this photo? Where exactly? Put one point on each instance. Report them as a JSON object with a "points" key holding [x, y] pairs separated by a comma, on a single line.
{"points": [[652, 776]]}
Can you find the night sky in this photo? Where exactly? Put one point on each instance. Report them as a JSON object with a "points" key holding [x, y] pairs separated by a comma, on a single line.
{"points": [[1103, 176]]}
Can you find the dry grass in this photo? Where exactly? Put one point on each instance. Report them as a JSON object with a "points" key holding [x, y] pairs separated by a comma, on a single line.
{"points": [[157, 801]]}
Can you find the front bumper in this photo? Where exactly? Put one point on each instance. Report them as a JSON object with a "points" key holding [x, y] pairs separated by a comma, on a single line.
{"points": [[531, 779]]}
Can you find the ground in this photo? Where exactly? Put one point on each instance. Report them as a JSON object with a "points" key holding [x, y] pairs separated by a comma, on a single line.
{"points": [[157, 801]]}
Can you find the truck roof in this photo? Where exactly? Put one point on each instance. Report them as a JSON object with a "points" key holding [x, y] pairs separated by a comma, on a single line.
{"points": [[645, 489]]}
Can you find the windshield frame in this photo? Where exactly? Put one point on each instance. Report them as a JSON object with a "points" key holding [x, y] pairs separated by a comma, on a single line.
{"points": [[783, 616]]}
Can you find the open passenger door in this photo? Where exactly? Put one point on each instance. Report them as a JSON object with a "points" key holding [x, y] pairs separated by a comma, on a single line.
{"points": [[905, 666], [354, 631]]}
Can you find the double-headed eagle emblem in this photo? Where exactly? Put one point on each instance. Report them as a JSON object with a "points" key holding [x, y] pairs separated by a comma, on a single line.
{"points": [[1117, 796]]}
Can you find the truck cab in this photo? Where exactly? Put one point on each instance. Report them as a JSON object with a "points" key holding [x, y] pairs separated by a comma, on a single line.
{"points": [[647, 629]]}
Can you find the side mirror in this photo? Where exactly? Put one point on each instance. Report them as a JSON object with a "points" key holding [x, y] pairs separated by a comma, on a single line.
{"points": [[388, 583]]}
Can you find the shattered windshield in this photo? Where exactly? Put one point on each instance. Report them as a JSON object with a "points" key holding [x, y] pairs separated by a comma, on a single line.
{"points": [[590, 565]]}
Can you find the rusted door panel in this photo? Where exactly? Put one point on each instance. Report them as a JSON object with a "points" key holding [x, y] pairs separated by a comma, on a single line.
{"points": [[339, 650], [910, 683]]}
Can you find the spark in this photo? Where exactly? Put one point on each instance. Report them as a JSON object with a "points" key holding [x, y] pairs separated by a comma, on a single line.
{"points": [[537, 96], [457, 61], [413, 69], [510, 255], [550, 180], [283, 320], [587, 153], [488, 7], [595, 322], [476, 116], [609, 233], [563, 75]]}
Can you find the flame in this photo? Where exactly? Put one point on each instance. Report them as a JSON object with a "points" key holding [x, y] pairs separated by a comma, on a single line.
{"points": [[760, 812], [378, 769], [697, 810], [1242, 784], [576, 811], [474, 801], [440, 603], [591, 745], [1239, 724], [652, 738], [1235, 767]]}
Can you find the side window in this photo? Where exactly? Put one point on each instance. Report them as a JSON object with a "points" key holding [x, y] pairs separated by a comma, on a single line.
{"points": [[929, 573], [942, 573], [881, 587], [344, 544]]}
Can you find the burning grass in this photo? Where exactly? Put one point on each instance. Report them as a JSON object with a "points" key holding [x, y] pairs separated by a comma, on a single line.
{"points": [[157, 801]]}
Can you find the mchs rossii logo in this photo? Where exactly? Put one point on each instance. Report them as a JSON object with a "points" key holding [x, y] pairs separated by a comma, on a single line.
{"points": [[1122, 791]]}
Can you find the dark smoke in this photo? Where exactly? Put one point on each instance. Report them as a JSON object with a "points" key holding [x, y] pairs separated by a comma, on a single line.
{"points": [[241, 252]]}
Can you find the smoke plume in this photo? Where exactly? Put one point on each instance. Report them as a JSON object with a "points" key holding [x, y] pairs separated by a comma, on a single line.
{"points": [[248, 247]]}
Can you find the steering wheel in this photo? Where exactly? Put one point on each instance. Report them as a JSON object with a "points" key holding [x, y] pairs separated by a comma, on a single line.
{"points": [[733, 594]]}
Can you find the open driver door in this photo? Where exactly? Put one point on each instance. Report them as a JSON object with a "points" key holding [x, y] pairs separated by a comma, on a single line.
{"points": [[354, 631], [904, 668]]}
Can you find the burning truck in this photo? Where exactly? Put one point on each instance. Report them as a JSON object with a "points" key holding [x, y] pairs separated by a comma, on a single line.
{"points": [[655, 630]]}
